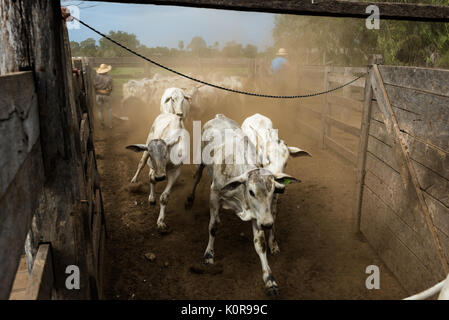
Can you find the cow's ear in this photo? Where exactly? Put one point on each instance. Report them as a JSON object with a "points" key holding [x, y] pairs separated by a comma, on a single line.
{"points": [[296, 152], [278, 187], [234, 183], [188, 97], [137, 147], [285, 179]]}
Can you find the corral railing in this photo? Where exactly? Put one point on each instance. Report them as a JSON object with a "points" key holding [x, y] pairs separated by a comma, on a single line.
{"points": [[403, 172], [334, 119], [48, 166], [199, 64]]}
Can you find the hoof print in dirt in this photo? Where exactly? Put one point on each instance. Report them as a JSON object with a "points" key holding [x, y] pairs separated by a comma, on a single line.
{"points": [[137, 188], [201, 268], [150, 256], [273, 292]]}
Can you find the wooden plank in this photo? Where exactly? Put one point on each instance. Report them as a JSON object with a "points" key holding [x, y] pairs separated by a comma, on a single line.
{"points": [[41, 281], [343, 79], [335, 8], [362, 149], [406, 223], [343, 126], [408, 173], [326, 111], [17, 207], [348, 103], [19, 123], [408, 269], [432, 158], [420, 79], [307, 129], [422, 115], [340, 149], [439, 212]]}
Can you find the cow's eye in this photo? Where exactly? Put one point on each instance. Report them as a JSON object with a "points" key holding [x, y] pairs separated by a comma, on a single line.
{"points": [[251, 192]]}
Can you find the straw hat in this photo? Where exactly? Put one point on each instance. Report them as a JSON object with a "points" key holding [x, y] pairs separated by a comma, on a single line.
{"points": [[104, 68], [282, 52]]}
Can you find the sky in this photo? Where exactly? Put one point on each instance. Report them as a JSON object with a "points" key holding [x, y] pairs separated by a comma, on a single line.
{"points": [[166, 25]]}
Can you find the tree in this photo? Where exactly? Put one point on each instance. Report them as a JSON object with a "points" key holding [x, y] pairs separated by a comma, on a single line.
{"points": [[181, 45], [232, 49], [109, 49], [348, 42], [250, 51], [198, 46], [88, 48], [75, 49]]}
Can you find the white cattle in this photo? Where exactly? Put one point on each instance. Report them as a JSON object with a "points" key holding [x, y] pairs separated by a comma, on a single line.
{"points": [[238, 184], [164, 152], [273, 155], [175, 101], [138, 89]]}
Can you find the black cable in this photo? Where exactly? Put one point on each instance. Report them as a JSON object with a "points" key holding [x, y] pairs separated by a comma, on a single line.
{"points": [[214, 85]]}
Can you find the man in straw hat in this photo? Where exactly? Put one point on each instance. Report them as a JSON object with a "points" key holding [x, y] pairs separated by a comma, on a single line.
{"points": [[103, 87]]}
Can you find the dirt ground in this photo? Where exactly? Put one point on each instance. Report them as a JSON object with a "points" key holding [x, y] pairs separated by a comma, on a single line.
{"points": [[320, 258]]}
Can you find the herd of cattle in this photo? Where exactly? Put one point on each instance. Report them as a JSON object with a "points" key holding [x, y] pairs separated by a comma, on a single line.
{"points": [[249, 187]]}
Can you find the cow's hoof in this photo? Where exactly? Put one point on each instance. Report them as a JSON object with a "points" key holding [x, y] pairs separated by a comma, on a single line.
{"points": [[274, 249], [273, 292], [163, 229], [189, 203], [208, 258]]}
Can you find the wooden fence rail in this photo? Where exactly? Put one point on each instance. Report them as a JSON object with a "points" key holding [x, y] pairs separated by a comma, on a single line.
{"points": [[48, 164], [340, 109], [402, 172]]}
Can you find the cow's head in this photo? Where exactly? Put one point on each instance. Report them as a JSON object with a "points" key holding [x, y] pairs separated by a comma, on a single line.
{"points": [[277, 152], [258, 186], [158, 155], [179, 103]]}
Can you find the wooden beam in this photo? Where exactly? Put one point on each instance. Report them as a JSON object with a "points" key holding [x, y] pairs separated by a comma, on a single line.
{"points": [[402, 157], [40, 284], [363, 144], [21, 167], [348, 9]]}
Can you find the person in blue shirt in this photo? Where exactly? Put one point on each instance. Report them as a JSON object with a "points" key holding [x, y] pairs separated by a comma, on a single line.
{"points": [[279, 63]]}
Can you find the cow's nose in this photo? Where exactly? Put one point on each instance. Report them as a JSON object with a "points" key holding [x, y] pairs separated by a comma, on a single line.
{"points": [[160, 178], [267, 226]]}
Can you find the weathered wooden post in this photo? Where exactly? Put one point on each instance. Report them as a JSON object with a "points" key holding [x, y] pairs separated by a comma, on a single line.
{"points": [[325, 113], [32, 38], [363, 142]]}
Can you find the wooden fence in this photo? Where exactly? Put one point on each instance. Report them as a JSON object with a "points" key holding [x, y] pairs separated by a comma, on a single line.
{"points": [[199, 64], [403, 172], [48, 165], [334, 119]]}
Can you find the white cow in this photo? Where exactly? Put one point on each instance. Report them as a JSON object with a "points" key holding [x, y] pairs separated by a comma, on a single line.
{"points": [[164, 153], [238, 184], [175, 101], [273, 154]]}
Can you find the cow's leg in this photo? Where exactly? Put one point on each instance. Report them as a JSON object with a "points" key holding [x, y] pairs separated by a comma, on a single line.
{"points": [[142, 162], [152, 197], [172, 176], [272, 243], [197, 177], [261, 248], [213, 224]]}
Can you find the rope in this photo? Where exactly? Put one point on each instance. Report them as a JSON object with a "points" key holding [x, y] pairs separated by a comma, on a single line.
{"points": [[214, 85]]}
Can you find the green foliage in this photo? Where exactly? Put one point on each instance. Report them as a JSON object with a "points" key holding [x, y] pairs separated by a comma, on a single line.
{"points": [[109, 49], [347, 41]]}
